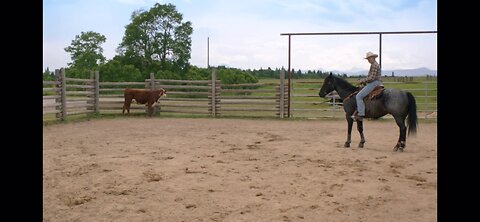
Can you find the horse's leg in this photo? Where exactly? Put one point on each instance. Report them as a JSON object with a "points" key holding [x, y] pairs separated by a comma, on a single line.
{"points": [[360, 130], [401, 144], [349, 131]]}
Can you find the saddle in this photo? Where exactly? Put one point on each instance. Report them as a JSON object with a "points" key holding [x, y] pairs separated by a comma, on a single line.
{"points": [[376, 92]]}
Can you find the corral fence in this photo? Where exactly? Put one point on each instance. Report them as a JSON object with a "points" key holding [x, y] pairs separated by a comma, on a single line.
{"points": [[305, 102], [69, 96], [380, 34], [204, 97]]}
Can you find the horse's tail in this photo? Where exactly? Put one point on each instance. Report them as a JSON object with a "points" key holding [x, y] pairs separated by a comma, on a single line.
{"points": [[412, 114]]}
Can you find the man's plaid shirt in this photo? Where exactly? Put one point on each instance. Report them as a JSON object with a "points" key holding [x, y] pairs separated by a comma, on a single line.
{"points": [[373, 74]]}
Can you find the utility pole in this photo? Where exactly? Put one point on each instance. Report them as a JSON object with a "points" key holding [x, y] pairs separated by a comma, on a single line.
{"points": [[208, 52]]}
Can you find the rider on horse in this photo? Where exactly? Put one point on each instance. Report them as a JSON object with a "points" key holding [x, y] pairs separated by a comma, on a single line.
{"points": [[372, 80]]}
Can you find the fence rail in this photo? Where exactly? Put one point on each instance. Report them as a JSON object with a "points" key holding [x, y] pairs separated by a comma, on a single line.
{"points": [[71, 96]]}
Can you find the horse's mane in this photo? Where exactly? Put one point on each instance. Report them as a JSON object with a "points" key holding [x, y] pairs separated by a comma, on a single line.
{"points": [[344, 84]]}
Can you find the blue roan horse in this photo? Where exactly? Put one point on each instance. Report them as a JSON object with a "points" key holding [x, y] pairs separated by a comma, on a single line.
{"points": [[396, 102]]}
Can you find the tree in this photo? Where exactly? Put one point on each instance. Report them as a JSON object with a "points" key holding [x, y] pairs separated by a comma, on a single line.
{"points": [[86, 51], [158, 37], [114, 71], [195, 73], [48, 75]]}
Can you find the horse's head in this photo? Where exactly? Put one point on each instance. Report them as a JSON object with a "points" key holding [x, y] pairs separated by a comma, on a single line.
{"points": [[327, 87]]}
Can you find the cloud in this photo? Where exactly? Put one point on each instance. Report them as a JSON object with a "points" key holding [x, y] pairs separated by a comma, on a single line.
{"points": [[246, 34], [238, 36]]}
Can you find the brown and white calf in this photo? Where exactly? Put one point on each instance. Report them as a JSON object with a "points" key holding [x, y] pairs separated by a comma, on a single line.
{"points": [[142, 96]]}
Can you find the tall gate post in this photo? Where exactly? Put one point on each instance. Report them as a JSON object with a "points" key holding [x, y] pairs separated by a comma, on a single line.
{"points": [[282, 93]]}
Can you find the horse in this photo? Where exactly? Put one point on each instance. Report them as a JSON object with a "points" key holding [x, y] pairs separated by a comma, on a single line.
{"points": [[396, 102]]}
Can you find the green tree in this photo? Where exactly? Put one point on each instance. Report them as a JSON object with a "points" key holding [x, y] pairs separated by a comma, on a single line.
{"points": [[166, 74], [196, 73], [115, 71], [48, 75], [235, 76], [159, 37], [86, 51], [77, 72]]}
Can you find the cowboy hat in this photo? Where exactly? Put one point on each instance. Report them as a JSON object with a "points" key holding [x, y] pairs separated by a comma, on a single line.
{"points": [[369, 54]]}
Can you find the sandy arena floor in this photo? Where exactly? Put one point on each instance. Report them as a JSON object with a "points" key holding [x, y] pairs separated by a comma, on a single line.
{"points": [[176, 169]]}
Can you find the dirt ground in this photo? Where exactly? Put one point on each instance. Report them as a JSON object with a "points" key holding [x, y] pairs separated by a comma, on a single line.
{"points": [[195, 169]]}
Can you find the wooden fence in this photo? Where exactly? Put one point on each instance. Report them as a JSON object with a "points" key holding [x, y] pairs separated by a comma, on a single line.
{"points": [[204, 97], [69, 96]]}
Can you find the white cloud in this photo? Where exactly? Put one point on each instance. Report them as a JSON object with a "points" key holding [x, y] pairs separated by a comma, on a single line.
{"points": [[239, 36], [246, 34]]}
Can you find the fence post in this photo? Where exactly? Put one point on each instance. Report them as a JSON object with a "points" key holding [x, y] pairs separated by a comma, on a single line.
{"points": [[290, 100], [58, 88], [152, 87], [92, 90], [213, 93], [282, 93], [61, 84], [96, 94], [152, 81], [334, 106], [427, 104]]}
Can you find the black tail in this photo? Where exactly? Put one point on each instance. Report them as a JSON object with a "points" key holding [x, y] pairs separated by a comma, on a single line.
{"points": [[412, 114]]}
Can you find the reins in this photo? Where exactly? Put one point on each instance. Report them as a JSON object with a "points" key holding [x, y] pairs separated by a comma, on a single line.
{"points": [[350, 95]]}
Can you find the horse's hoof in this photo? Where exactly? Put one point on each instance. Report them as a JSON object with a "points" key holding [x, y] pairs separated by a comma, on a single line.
{"points": [[360, 145], [396, 147], [346, 145], [400, 149]]}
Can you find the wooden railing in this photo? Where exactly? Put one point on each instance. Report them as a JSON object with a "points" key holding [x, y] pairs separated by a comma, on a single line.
{"points": [[207, 97], [68, 96]]}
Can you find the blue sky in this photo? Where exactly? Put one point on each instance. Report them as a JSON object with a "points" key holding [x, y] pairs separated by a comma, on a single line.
{"points": [[246, 33]]}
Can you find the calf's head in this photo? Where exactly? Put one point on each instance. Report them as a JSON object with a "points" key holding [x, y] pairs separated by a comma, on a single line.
{"points": [[161, 92]]}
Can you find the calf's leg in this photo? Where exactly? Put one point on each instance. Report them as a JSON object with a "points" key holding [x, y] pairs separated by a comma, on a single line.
{"points": [[126, 105]]}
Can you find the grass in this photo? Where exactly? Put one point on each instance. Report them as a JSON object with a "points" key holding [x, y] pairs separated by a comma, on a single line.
{"points": [[425, 93]]}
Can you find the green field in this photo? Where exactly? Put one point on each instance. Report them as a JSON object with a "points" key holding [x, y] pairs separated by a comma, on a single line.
{"points": [[307, 104]]}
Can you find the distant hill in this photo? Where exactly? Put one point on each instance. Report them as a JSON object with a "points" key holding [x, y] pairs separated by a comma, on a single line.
{"points": [[398, 72]]}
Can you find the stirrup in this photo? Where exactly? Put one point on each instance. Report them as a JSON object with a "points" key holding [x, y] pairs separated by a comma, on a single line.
{"points": [[357, 117], [354, 115]]}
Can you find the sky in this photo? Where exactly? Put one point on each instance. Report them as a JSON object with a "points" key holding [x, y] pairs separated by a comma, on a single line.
{"points": [[246, 34]]}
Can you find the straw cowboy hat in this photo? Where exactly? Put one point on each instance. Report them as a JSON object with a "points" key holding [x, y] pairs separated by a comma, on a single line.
{"points": [[370, 54]]}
